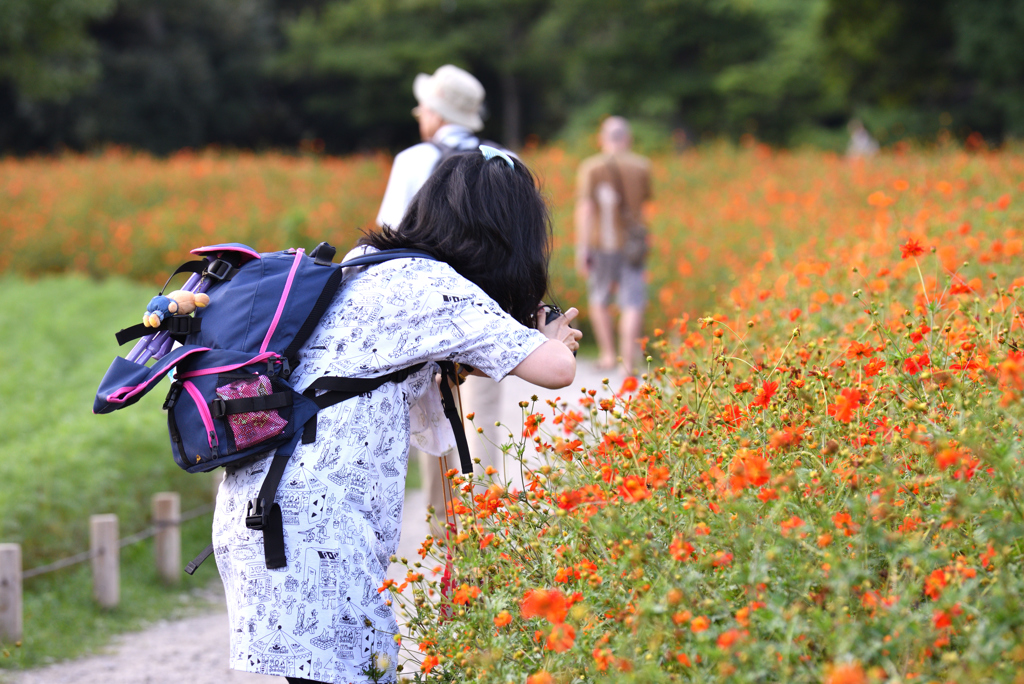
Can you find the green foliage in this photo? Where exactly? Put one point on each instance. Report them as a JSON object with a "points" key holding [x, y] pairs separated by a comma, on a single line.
{"points": [[163, 74], [45, 49], [59, 463]]}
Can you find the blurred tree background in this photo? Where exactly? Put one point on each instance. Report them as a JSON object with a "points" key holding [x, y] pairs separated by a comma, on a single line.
{"points": [[166, 74]]}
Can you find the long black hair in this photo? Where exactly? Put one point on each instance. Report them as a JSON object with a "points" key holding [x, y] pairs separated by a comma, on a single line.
{"points": [[489, 222]]}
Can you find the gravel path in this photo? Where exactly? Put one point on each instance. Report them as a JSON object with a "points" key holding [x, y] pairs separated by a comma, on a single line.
{"points": [[195, 650]]}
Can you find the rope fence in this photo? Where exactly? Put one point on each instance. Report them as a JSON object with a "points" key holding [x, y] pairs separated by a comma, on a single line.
{"points": [[142, 535], [104, 552]]}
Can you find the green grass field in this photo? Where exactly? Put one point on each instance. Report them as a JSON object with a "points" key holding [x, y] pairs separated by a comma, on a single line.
{"points": [[59, 464]]}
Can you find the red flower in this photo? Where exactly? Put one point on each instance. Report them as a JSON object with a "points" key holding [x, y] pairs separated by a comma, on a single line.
{"points": [[846, 403], [912, 248], [873, 367], [533, 421], [765, 394], [860, 351]]}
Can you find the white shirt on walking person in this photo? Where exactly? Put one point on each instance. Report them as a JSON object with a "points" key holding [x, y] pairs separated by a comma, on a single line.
{"points": [[414, 165]]}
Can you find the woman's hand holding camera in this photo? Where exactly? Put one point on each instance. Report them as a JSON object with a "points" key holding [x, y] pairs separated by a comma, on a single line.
{"points": [[558, 328]]}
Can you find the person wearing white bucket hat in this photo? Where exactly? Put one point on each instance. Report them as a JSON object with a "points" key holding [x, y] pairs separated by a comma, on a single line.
{"points": [[448, 111]]}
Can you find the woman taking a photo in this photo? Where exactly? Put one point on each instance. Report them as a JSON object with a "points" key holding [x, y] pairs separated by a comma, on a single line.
{"points": [[321, 618]]}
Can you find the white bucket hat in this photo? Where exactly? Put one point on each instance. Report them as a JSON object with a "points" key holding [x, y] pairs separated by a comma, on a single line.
{"points": [[453, 93]]}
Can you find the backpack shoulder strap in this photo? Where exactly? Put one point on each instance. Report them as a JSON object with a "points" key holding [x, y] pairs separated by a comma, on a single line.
{"points": [[451, 412], [331, 288]]}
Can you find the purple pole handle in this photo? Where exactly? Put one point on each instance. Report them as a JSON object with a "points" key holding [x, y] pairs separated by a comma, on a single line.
{"points": [[159, 343]]}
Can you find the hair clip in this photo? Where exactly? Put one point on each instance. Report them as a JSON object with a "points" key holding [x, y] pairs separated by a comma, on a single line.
{"points": [[492, 152]]}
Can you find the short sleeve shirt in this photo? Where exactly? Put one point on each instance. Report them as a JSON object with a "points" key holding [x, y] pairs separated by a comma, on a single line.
{"points": [[413, 166], [322, 617], [598, 182]]}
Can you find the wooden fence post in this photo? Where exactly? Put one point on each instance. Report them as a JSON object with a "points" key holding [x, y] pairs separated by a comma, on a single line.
{"points": [[106, 559], [10, 593], [167, 543]]}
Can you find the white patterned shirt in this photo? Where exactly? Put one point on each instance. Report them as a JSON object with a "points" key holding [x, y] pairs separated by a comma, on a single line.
{"points": [[321, 617]]}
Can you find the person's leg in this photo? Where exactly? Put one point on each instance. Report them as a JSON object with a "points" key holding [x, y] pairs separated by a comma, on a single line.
{"points": [[632, 298], [631, 325], [602, 279], [296, 680], [482, 397], [601, 320], [433, 483]]}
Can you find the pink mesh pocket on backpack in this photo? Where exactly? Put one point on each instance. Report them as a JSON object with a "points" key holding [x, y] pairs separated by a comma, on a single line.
{"points": [[256, 426]]}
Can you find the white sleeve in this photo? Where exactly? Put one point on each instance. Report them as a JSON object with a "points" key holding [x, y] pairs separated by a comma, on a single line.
{"points": [[410, 170]]}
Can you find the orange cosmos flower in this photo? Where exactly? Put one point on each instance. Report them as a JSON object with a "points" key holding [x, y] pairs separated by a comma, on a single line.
{"points": [[934, 584], [657, 476], [502, 619], [561, 639], [634, 489], [680, 550], [748, 469], [546, 603], [847, 673], [879, 199], [727, 638], [465, 593], [428, 664], [541, 677], [700, 624]]}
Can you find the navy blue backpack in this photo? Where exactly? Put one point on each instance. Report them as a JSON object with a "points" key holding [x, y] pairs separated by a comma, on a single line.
{"points": [[231, 401]]}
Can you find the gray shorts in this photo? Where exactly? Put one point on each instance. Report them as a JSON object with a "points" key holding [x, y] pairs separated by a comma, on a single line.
{"points": [[608, 269]]}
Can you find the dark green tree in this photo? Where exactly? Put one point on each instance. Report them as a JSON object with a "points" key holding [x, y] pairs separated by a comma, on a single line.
{"points": [[989, 36], [46, 52], [364, 54]]}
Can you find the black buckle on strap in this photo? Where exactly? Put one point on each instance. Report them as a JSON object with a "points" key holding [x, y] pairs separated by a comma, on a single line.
{"points": [[323, 254], [282, 362], [256, 514], [218, 408], [172, 396], [220, 269], [182, 325]]}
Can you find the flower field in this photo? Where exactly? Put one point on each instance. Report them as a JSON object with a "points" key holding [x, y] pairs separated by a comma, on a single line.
{"points": [[716, 212], [817, 480]]}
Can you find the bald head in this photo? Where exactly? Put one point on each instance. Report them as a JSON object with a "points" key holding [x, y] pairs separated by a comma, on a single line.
{"points": [[615, 135]]}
